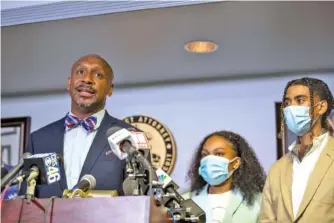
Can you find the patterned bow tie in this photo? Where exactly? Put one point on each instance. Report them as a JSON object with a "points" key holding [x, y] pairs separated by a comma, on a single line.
{"points": [[88, 123]]}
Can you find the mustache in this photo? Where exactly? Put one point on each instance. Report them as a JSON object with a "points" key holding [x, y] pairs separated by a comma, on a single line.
{"points": [[85, 87]]}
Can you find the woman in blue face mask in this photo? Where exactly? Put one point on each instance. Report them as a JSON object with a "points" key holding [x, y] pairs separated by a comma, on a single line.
{"points": [[226, 179]]}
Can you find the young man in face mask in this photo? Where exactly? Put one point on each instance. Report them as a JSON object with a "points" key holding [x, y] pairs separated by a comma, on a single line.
{"points": [[300, 186]]}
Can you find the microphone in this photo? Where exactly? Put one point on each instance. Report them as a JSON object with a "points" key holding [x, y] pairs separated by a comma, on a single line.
{"points": [[122, 143], [169, 187], [193, 212], [35, 171], [87, 182], [141, 143], [40, 169], [12, 173], [183, 210], [131, 187], [43, 167], [140, 138]]}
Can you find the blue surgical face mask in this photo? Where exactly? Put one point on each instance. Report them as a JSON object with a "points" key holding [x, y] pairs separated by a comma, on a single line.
{"points": [[297, 119], [214, 169]]}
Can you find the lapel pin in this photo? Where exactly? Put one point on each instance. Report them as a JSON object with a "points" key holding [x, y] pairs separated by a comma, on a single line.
{"points": [[108, 152]]}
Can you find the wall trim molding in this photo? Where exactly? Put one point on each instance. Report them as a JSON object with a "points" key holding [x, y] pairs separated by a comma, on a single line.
{"points": [[74, 9], [208, 79]]}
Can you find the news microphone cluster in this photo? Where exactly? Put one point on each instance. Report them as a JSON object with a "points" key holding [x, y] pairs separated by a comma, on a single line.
{"points": [[163, 189], [183, 210]]}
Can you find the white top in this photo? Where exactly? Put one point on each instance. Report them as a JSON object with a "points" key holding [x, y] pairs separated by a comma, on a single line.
{"points": [[229, 207], [303, 169], [77, 142], [217, 207]]}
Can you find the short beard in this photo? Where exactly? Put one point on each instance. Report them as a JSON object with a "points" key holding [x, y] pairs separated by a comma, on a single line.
{"points": [[88, 107]]}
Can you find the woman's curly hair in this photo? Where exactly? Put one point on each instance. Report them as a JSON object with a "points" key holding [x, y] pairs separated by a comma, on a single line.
{"points": [[249, 178]]}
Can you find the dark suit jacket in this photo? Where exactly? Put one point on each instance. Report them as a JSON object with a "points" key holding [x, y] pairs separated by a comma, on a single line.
{"points": [[108, 170]]}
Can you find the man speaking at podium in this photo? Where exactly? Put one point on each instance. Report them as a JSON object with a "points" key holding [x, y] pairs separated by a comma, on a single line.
{"points": [[80, 136]]}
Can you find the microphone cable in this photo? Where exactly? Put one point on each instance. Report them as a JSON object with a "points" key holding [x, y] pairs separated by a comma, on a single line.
{"points": [[49, 206], [3, 194]]}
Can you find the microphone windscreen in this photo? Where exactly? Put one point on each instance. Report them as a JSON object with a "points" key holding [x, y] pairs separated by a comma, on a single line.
{"points": [[112, 130], [90, 179], [128, 186]]}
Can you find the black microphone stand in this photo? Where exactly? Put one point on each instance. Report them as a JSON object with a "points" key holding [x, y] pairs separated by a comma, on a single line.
{"points": [[137, 175], [181, 210]]}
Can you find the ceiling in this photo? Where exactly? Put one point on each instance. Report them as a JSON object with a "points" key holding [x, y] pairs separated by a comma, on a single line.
{"points": [[146, 47], [7, 4]]}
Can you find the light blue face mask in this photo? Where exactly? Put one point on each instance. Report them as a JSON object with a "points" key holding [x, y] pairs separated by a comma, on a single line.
{"points": [[214, 169], [297, 119]]}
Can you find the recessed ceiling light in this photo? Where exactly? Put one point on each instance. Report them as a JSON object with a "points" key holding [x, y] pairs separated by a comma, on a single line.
{"points": [[201, 47]]}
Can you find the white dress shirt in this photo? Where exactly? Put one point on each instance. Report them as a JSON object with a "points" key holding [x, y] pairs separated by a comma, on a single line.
{"points": [[77, 142], [302, 169]]}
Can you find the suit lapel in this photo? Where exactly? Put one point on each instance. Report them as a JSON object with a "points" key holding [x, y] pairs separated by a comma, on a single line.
{"points": [[236, 200], [324, 162], [58, 147], [98, 144], [286, 184], [58, 134]]}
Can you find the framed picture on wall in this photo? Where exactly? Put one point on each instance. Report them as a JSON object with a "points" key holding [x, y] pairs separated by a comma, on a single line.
{"points": [[14, 139], [284, 138]]}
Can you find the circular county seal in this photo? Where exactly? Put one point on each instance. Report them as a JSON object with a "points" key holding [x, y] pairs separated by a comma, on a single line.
{"points": [[160, 140]]}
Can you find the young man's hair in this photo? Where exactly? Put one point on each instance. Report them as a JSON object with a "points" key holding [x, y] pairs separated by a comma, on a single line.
{"points": [[316, 87]]}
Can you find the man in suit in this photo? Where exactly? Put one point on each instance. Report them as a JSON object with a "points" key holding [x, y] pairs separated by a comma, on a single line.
{"points": [[300, 186], [80, 136]]}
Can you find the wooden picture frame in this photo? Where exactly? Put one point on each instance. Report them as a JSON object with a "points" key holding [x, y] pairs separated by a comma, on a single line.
{"points": [[14, 139], [285, 138]]}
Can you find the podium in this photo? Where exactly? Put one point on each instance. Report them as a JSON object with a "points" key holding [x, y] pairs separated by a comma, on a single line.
{"points": [[127, 209]]}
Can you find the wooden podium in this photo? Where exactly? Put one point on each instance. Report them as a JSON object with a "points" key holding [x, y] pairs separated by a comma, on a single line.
{"points": [[131, 209]]}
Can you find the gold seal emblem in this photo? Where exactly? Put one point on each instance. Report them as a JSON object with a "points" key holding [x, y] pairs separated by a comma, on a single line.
{"points": [[160, 140]]}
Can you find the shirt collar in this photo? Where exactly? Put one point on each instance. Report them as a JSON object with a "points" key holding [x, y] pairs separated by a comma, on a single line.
{"points": [[205, 191], [99, 117], [317, 142]]}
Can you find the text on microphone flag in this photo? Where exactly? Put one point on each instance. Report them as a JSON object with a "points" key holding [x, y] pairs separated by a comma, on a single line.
{"points": [[163, 177], [140, 140]]}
